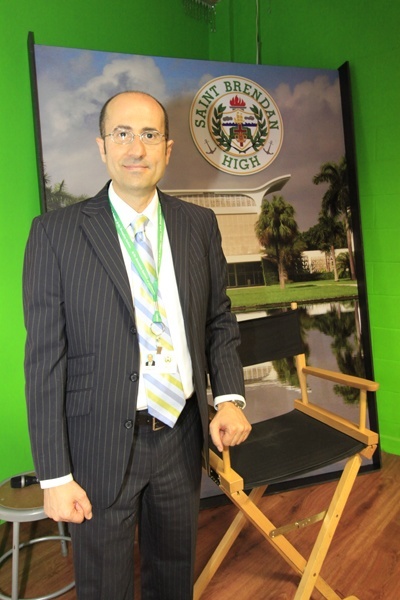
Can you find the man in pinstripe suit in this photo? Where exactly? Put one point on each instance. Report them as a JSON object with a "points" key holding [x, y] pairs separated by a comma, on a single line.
{"points": [[104, 461]]}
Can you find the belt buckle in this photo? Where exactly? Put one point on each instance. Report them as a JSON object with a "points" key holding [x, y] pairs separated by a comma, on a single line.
{"points": [[157, 425]]}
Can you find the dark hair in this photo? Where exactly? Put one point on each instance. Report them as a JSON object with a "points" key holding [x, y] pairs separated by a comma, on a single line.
{"points": [[103, 112]]}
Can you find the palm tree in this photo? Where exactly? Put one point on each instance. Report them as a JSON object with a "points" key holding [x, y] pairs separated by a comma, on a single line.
{"points": [[328, 235], [277, 230], [336, 200], [58, 196], [343, 265]]}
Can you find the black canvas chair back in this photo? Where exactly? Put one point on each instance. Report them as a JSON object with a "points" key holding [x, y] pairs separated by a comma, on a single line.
{"points": [[270, 338]]}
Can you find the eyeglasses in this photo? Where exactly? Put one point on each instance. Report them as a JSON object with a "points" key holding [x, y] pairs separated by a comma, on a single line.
{"points": [[120, 135]]}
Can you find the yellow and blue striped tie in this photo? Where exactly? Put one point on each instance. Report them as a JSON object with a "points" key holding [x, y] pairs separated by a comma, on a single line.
{"points": [[164, 391]]}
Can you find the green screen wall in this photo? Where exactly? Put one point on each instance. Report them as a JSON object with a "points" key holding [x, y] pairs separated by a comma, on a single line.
{"points": [[309, 33]]}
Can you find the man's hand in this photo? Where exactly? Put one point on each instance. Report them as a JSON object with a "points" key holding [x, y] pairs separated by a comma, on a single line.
{"points": [[229, 427], [67, 502]]}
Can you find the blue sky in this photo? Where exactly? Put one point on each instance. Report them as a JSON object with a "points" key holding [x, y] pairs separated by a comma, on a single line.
{"points": [[73, 84]]}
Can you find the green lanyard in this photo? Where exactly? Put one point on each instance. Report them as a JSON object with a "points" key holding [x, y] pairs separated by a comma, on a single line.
{"points": [[150, 283]]}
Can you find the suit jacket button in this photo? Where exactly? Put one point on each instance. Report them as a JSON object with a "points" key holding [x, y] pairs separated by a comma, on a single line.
{"points": [[133, 330], [134, 376], [128, 424]]}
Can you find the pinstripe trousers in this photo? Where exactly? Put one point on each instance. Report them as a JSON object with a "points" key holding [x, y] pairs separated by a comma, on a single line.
{"points": [[160, 493]]}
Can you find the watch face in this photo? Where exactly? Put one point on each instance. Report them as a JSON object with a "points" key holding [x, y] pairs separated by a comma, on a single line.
{"points": [[238, 403]]}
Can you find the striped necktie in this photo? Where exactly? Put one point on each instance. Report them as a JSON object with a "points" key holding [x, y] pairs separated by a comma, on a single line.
{"points": [[164, 391]]}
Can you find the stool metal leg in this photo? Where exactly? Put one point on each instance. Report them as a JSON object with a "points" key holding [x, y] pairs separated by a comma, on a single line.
{"points": [[14, 555], [61, 531], [15, 562]]}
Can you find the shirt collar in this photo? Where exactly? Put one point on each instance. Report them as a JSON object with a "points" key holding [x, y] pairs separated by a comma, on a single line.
{"points": [[127, 214]]}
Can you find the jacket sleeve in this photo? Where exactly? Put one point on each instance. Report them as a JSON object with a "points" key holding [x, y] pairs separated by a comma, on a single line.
{"points": [[45, 355], [222, 331]]}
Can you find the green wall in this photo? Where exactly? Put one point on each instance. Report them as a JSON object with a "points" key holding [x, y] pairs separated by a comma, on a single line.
{"points": [[318, 33]]}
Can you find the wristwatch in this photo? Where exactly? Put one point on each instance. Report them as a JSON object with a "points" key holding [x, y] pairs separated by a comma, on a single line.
{"points": [[239, 403]]}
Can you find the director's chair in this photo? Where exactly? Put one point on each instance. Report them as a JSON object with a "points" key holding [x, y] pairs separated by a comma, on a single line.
{"points": [[305, 439]]}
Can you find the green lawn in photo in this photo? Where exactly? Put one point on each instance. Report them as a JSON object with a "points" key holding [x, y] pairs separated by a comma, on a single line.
{"points": [[305, 292]]}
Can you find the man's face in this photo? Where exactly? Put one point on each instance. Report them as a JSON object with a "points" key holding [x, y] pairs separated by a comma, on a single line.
{"points": [[135, 168]]}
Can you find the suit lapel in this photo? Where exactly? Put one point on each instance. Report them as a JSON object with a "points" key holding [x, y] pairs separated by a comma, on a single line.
{"points": [[100, 230], [178, 228]]}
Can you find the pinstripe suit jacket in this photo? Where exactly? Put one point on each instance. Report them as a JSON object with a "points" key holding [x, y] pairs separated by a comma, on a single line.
{"points": [[82, 355]]}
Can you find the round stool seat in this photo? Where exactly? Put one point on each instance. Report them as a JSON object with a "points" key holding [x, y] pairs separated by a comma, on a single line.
{"points": [[22, 505]]}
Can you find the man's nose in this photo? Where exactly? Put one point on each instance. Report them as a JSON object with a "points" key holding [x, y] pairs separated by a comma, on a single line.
{"points": [[136, 147]]}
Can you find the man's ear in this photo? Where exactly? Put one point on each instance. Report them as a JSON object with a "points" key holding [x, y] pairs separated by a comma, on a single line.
{"points": [[102, 148], [168, 150]]}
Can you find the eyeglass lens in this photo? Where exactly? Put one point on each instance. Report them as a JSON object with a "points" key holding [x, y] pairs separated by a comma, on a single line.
{"points": [[126, 136]]}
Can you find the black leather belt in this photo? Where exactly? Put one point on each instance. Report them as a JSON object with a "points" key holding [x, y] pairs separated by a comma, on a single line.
{"points": [[143, 419]]}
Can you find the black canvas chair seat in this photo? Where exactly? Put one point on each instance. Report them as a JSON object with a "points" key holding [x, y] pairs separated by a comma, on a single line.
{"points": [[288, 446], [299, 442]]}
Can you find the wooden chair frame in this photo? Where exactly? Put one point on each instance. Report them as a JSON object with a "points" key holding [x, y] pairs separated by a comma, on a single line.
{"points": [[232, 484]]}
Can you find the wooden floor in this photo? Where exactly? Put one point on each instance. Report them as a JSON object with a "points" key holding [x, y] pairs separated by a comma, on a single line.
{"points": [[364, 559]]}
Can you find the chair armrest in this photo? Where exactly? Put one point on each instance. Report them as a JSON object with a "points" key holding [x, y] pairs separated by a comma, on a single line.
{"points": [[357, 430], [336, 377], [229, 479]]}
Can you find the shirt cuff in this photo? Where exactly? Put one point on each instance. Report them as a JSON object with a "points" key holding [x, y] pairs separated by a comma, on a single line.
{"points": [[49, 483], [229, 398]]}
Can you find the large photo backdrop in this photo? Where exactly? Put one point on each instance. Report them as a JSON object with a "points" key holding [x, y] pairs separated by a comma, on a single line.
{"points": [[262, 146]]}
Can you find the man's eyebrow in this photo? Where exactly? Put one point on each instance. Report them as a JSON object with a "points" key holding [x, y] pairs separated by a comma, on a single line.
{"points": [[123, 127], [129, 128]]}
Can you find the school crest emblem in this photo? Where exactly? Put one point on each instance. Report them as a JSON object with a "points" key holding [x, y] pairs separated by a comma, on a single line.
{"points": [[236, 125]]}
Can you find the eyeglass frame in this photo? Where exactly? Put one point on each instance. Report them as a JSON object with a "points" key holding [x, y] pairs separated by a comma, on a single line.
{"points": [[130, 133]]}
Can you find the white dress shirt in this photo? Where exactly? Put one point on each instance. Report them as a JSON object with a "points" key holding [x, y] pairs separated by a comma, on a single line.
{"points": [[166, 285]]}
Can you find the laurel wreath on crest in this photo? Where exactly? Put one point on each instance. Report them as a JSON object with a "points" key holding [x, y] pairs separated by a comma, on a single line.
{"points": [[261, 135], [223, 140], [219, 134]]}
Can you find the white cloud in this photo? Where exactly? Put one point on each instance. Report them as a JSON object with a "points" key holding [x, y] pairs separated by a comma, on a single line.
{"points": [[69, 117]]}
